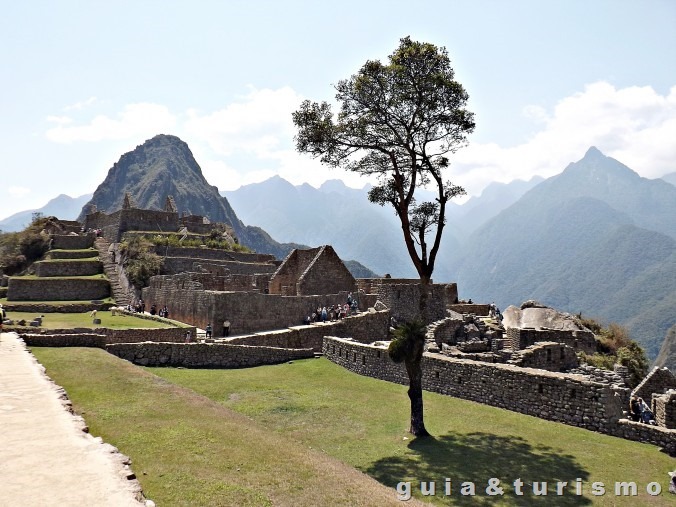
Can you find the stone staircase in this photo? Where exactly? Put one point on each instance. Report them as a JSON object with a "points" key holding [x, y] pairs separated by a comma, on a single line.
{"points": [[119, 290]]}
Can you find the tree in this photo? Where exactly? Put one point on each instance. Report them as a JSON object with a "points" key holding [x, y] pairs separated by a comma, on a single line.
{"points": [[398, 122], [408, 347]]}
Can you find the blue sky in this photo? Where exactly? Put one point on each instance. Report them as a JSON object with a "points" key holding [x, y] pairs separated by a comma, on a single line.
{"points": [[85, 81]]}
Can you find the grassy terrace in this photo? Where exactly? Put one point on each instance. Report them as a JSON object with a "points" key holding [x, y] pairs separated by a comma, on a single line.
{"points": [[283, 434], [4, 301], [73, 320]]}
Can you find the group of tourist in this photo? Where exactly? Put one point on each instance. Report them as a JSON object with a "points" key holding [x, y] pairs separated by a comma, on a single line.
{"points": [[494, 312], [639, 411], [333, 312], [140, 307]]}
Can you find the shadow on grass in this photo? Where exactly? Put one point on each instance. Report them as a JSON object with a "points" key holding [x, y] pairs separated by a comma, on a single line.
{"points": [[478, 457]]}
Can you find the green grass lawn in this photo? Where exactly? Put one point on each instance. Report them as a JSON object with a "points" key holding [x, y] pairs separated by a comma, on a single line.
{"points": [[72, 320], [4, 302], [176, 437]]}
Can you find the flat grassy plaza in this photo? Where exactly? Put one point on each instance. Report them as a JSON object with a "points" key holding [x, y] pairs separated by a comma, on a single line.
{"points": [[84, 320], [312, 433]]}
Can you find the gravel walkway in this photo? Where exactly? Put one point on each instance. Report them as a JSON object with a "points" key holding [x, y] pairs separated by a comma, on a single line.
{"points": [[46, 458]]}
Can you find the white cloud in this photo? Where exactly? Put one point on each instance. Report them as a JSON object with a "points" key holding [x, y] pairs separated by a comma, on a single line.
{"points": [[81, 105], [135, 120], [635, 125], [251, 139]]}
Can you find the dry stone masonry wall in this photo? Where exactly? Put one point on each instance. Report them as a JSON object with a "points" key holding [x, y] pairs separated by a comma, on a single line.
{"points": [[68, 268], [204, 355], [572, 399], [57, 289]]}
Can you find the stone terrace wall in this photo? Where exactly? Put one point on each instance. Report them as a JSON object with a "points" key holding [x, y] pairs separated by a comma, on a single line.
{"points": [[72, 254], [68, 268], [213, 254], [175, 265], [57, 289], [248, 312], [102, 336], [365, 327], [520, 338], [285, 280], [576, 400], [65, 340], [204, 355], [534, 392], [479, 310], [72, 242], [172, 334]]}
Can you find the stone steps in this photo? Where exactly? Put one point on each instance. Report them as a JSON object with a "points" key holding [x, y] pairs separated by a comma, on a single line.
{"points": [[122, 298]]}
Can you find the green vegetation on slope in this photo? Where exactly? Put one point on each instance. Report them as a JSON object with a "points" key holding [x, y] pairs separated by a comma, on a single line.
{"points": [[191, 451]]}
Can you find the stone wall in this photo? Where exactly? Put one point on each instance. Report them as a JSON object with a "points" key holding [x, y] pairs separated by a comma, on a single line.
{"points": [[580, 341], [285, 280], [572, 399], [546, 356], [213, 254], [175, 265], [248, 312], [72, 242], [402, 297], [479, 310], [658, 381], [65, 340], [72, 254], [57, 289], [326, 274], [68, 268], [115, 224], [204, 355], [100, 337], [365, 327], [665, 409]]}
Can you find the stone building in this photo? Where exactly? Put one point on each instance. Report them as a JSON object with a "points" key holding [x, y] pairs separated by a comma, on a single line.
{"points": [[314, 271]]}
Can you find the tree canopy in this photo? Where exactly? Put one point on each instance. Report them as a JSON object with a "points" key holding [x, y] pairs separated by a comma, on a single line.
{"points": [[398, 121]]}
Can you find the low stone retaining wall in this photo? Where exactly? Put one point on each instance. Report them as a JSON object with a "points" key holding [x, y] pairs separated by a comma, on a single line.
{"points": [[366, 326], [84, 337], [572, 399], [72, 242], [72, 254], [57, 289], [65, 340], [479, 310], [68, 268], [204, 355]]}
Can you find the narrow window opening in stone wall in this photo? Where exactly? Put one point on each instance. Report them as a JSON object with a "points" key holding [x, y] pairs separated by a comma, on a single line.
{"points": [[340, 352], [436, 374], [562, 353], [459, 380], [378, 354], [572, 393], [541, 388], [333, 349], [549, 355], [354, 357], [363, 359]]}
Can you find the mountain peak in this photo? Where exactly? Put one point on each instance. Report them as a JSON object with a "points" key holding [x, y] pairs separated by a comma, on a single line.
{"points": [[593, 152]]}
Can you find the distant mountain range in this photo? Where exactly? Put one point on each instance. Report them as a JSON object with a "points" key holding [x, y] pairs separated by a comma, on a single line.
{"points": [[63, 206], [597, 238]]}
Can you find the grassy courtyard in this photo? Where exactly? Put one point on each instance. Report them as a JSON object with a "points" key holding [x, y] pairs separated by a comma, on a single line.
{"points": [[295, 433], [84, 320]]}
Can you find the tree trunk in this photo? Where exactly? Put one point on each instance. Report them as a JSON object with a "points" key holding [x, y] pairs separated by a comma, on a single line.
{"points": [[415, 394]]}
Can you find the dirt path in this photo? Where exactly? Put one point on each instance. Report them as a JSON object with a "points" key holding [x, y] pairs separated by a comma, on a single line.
{"points": [[45, 457]]}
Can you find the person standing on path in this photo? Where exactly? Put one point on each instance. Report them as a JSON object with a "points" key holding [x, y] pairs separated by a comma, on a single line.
{"points": [[226, 327]]}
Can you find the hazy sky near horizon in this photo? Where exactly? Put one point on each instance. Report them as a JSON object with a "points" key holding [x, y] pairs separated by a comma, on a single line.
{"points": [[84, 82]]}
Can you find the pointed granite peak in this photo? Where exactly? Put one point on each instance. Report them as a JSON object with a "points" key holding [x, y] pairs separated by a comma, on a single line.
{"points": [[593, 152]]}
